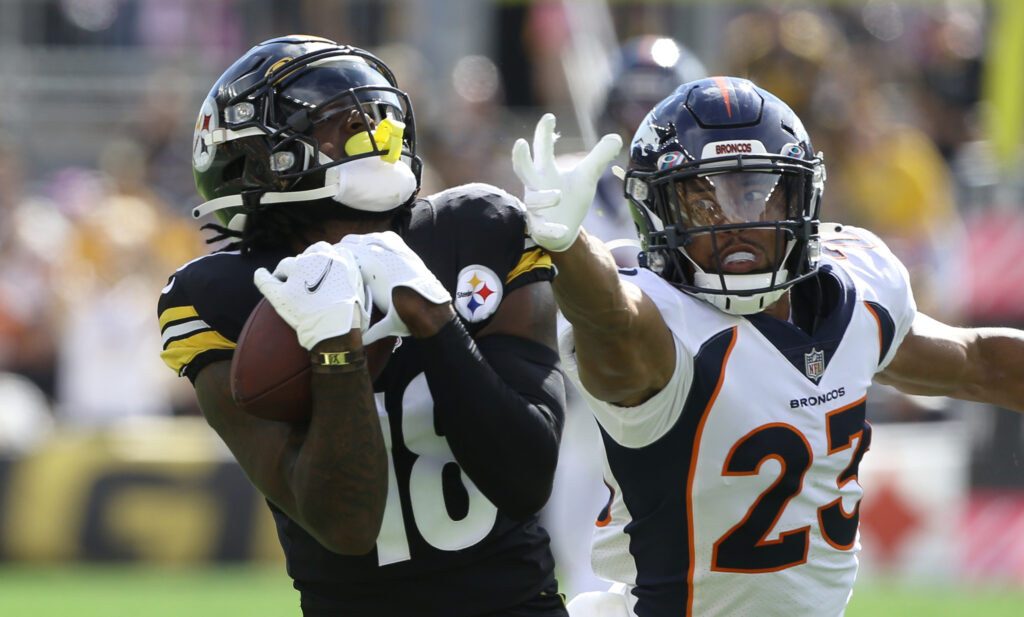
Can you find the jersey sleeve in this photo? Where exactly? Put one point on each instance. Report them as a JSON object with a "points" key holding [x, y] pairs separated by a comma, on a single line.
{"points": [[490, 222], [202, 310], [640, 425], [882, 280], [473, 238]]}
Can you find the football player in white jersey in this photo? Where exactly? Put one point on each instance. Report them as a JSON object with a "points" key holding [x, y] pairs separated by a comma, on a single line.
{"points": [[728, 372]]}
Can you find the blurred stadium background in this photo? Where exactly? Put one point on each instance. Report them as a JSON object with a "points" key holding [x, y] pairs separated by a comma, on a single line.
{"points": [[116, 498]]}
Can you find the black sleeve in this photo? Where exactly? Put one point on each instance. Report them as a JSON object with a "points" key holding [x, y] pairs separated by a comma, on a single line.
{"points": [[470, 225], [501, 405], [204, 306]]}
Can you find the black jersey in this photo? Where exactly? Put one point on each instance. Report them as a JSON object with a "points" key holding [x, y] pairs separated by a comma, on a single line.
{"points": [[444, 548]]}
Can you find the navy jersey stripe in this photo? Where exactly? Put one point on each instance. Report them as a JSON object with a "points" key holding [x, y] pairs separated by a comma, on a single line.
{"points": [[886, 328], [837, 300], [660, 534]]}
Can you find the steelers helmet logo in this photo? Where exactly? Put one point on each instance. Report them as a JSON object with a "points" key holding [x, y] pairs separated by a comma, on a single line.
{"points": [[477, 293], [202, 149]]}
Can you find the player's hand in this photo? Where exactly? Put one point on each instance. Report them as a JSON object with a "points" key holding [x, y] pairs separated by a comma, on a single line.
{"points": [[386, 262], [556, 201], [319, 293]]}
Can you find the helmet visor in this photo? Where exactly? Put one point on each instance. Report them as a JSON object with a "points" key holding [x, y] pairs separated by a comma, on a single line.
{"points": [[734, 198], [338, 83]]}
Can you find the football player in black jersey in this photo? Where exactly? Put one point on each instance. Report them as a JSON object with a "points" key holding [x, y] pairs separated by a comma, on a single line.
{"points": [[415, 494]]}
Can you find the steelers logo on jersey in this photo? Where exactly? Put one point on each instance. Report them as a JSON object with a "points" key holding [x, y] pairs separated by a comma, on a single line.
{"points": [[202, 149], [478, 293]]}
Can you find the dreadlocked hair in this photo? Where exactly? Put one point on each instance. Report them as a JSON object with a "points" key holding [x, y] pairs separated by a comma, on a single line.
{"points": [[274, 228]]}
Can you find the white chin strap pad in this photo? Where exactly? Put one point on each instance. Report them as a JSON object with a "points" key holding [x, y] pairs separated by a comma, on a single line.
{"points": [[737, 304], [372, 184]]}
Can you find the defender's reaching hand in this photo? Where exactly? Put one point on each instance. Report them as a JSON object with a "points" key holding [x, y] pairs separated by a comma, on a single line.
{"points": [[556, 201]]}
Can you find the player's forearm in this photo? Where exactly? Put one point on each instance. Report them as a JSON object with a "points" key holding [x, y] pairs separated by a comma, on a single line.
{"points": [[263, 448], [587, 287], [339, 475], [624, 349], [500, 406]]}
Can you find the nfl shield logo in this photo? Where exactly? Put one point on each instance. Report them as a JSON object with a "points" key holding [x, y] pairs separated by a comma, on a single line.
{"points": [[814, 364]]}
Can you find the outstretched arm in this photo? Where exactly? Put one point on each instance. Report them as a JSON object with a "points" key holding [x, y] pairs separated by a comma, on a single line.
{"points": [[985, 365], [624, 348]]}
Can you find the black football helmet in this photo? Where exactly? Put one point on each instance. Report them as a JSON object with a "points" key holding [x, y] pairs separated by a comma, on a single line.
{"points": [[717, 156], [253, 144]]}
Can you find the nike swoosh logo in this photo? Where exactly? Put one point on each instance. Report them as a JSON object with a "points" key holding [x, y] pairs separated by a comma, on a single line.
{"points": [[323, 275]]}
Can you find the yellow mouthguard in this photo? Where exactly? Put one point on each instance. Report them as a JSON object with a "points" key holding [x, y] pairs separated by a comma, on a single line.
{"points": [[388, 136]]}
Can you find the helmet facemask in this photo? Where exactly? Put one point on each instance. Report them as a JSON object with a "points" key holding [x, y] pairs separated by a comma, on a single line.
{"points": [[271, 117], [736, 232]]}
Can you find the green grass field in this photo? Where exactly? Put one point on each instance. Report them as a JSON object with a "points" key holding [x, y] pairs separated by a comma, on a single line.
{"points": [[878, 599], [116, 591], [139, 591]]}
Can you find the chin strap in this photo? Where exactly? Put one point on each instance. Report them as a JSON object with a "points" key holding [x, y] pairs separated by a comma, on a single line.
{"points": [[373, 184], [736, 304], [234, 201], [739, 303], [222, 135]]}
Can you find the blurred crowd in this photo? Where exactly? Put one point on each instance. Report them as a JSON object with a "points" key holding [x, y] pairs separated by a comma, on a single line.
{"points": [[892, 93]]}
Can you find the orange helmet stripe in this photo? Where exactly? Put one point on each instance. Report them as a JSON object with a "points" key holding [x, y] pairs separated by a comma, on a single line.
{"points": [[723, 86]]}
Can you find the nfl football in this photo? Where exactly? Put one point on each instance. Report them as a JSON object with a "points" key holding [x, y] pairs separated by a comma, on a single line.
{"points": [[270, 371]]}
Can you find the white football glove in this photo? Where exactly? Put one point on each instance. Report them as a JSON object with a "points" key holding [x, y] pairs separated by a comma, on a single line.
{"points": [[556, 201], [319, 293], [386, 262]]}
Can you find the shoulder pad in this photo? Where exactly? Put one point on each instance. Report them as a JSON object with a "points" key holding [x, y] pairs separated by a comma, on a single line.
{"points": [[204, 305]]}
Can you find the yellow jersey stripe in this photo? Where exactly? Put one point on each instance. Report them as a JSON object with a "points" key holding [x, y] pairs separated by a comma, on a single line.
{"points": [[531, 260], [176, 313], [179, 353]]}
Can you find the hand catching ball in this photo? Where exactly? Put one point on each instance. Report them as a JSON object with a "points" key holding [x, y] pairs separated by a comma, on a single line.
{"points": [[271, 373]]}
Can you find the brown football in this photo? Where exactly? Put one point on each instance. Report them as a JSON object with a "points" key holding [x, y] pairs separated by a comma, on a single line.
{"points": [[270, 371]]}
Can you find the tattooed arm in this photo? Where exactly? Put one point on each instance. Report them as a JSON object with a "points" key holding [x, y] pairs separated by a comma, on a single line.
{"points": [[328, 475]]}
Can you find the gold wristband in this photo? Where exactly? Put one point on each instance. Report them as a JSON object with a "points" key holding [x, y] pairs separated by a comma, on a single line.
{"points": [[338, 361]]}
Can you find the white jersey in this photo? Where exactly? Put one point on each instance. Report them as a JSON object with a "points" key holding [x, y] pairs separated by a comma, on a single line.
{"points": [[734, 489]]}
